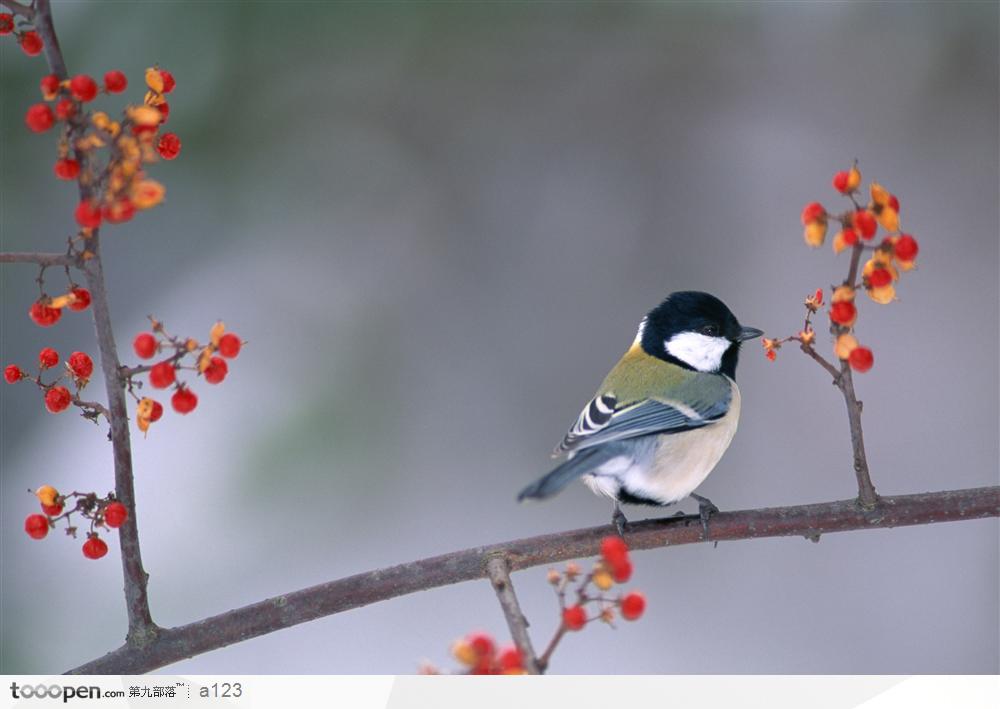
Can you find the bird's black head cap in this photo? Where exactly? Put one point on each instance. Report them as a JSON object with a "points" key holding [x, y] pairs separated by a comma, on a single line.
{"points": [[699, 313]]}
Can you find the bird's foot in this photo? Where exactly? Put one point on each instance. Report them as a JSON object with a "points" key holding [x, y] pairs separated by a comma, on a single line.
{"points": [[619, 521], [706, 508]]}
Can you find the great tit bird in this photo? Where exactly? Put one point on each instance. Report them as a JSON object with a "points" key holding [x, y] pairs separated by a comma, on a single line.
{"points": [[664, 415]]}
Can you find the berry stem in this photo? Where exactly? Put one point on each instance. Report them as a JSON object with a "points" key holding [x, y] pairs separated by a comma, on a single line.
{"points": [[498, 570]]}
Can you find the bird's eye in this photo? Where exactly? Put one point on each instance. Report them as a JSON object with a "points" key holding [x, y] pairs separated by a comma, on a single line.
{"points": [[710, 330]]}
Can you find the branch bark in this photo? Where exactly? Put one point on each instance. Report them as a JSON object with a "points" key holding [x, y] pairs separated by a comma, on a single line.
{"points": [[267, 616], [499, 573]]}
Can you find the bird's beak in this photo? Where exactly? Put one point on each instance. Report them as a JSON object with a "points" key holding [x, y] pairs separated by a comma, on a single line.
{"points": [[749, 333]]}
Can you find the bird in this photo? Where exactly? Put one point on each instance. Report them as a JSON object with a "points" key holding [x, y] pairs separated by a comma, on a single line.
{"points": [[664, 415]]}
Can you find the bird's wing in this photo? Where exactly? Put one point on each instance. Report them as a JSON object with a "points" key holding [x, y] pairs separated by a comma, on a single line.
{"points": [[606, 419]]}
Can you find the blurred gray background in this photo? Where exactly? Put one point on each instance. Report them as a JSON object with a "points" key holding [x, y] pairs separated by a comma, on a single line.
{"points": [[438, 225]]}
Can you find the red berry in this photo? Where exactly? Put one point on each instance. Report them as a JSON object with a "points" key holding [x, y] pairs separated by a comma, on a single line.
{"points": [[861, 359], [12, 373], [53, 510], [169, 146], [216, 370], [67, 168], [115, 82], [39, 118], [184, 401], [164, 109], [49, 86], [57, 399], [37, 526], [622, 572], [94, 547], [83, 87], [850, 236], [82, 299], [47, 358], [6, 23], [841, 182], [115, 514], [812, 212], [906, 248], [633, 605], [574, 618], [614, 550], [509, 658], [81, 365], [144, 345], [879, 277], [31, 43], [168, 81], [162, 375], [88, 214], [482, 643], [843, 313], [121, 210], [157, 412], [894, 203], [44, 315], [229, 345], [865, 223], [65, 109]]}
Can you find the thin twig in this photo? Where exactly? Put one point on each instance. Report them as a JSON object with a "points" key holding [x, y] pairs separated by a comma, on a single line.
{"points": [[42, 259], [845, 382], [499, 575], [267, 616], [17, 8]]}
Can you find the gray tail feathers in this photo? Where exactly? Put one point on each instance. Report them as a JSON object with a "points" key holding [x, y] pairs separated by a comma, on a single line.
{"points": [[580, 464]]}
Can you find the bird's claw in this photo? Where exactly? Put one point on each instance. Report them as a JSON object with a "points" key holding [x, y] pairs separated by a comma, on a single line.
{"points": [[706, 508], [619, 521]]}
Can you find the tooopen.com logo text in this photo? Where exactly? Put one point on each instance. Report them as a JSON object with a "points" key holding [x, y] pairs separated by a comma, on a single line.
{"points": [[55, 691]]}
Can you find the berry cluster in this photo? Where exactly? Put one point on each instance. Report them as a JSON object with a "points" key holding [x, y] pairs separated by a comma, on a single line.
{"points": [[478, 652], [106, 512], [208, 360], [613, 567], [27, 38], [119, 187], [77, 371], [858, 228]]}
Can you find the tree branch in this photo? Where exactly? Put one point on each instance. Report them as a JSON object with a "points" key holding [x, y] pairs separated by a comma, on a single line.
{"points": [[267, 616], [141, 628], [499, 575], [845, 382], [41, 259]]}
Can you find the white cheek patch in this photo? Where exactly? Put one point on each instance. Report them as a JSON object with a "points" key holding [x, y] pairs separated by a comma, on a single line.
{"points": [[702, 352]]}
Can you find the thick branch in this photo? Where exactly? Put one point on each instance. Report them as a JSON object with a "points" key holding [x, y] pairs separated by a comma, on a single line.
{"points": [[332, 597], [141, 628], [41, 259], [499, 574]]}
